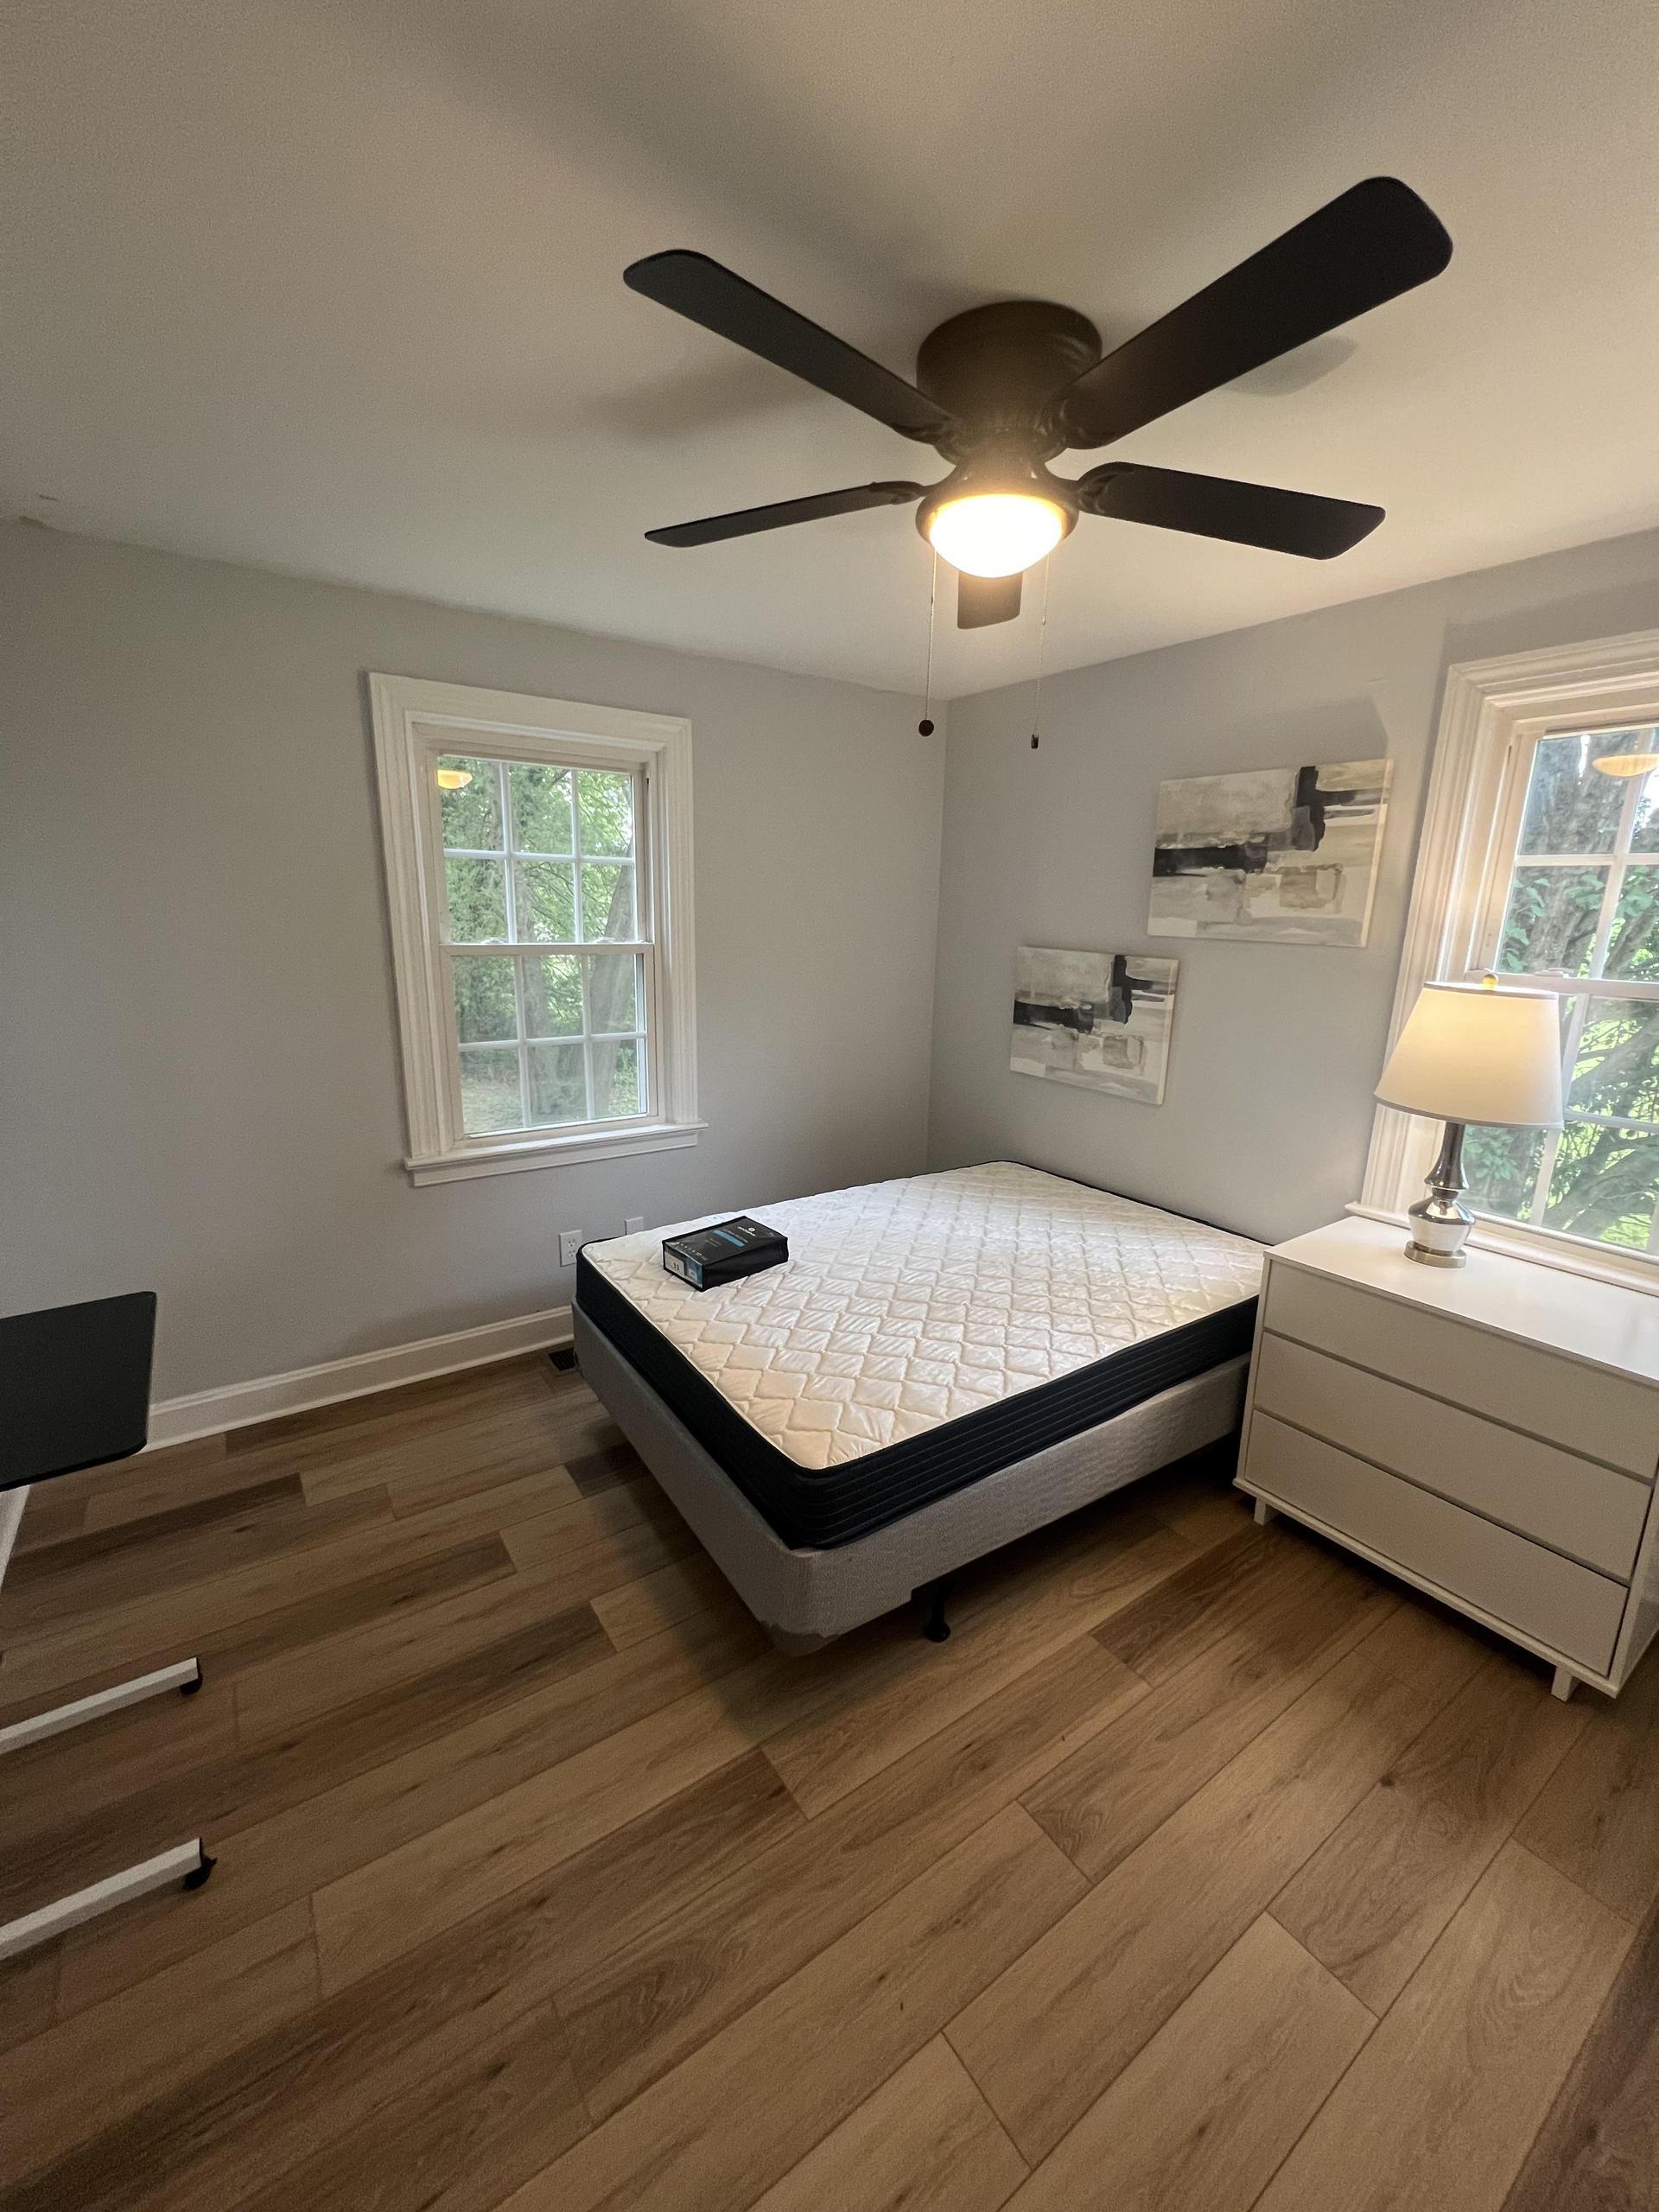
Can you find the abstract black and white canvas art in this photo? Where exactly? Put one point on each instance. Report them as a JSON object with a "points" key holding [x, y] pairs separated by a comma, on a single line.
{"points": [[1285, 854], [1098, 1019]]}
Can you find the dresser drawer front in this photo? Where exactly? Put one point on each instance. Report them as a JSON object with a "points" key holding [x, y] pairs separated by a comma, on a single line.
{"points": [[1565, 1606], [1583, 1408], [1570, 1503]]}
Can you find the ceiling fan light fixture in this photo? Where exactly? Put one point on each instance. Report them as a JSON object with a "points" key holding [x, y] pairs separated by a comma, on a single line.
{"points": [[995, 533], [1626, 764]]}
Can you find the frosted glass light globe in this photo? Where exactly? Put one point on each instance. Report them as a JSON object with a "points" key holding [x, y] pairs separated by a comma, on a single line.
{"points": [[995, 533]]}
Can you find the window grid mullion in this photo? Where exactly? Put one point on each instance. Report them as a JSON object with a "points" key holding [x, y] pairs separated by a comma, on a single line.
{"points": [[1552, 1145], [587, 1047], [576, 883]]}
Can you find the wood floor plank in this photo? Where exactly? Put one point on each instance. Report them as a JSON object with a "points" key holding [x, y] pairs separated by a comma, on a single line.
{"points": [[1206, 2112], [120, 1638], [1431, 1648], [1009, 1618], [142, 1538], [319, 1833], [1199, 1501], [275, 1696], [1441, 2105], [1373, 1899], [59, 1849], [580, 1558], [654, 1601], [1056, 2029], [1598, 2149], [29, 1989], [226, 1651], [170, 1470], [116, 2057], [156, 1482], [655, 1999], [333, 1433], [1195, 1607], [1113, 1792], [406, 1895], [506, 2109], [446, 1461], [925, 2142], [491, 1506], [748, 2104], [73, 1582], [63, 1821], [395, 2038], [1597, 1818], [609, 1462], [48, 1519]]}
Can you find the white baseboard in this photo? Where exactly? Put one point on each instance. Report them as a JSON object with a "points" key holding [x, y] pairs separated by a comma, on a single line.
{"points": [[207, 1412]]}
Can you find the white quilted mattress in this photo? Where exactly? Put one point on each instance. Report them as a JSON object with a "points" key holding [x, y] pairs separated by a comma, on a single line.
{"points": [[909, 1303]]}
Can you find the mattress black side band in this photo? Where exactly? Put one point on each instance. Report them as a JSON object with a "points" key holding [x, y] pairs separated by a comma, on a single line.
{"points": [[820, 1508]]}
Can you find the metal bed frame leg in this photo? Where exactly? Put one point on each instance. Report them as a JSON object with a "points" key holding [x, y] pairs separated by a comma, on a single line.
{"points": [[186, 1863], [935, 1627]]}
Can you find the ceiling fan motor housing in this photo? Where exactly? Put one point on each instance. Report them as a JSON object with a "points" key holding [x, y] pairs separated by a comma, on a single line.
{"points": [[999, 368]]}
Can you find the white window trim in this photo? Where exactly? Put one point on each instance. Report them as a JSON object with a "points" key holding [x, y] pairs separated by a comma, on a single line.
{"points": [[508, 724], [1491, 710]]}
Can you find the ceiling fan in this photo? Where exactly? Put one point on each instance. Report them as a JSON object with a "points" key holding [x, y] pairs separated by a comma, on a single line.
{"points": [[1002, 389]]}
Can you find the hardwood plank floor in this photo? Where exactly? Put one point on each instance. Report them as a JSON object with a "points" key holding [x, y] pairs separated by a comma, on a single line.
{"points": [[1205, 2113], [544, 1882], [1440, 2105], [1370, 1902]]}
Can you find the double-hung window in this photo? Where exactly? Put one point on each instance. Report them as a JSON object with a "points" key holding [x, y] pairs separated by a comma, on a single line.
{"points": [[537, 858], [1540, 864]]}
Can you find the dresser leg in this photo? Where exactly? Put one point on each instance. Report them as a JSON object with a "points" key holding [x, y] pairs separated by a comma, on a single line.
{"points": [[1265, 1513], [1564, 1684]]}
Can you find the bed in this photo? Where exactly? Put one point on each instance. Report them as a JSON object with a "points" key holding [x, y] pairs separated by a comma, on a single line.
{"points": [[945, 1363]]}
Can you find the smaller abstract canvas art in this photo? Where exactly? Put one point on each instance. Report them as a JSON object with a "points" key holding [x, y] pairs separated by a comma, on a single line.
{"points": [[1285, 854], [1100, 1019]]}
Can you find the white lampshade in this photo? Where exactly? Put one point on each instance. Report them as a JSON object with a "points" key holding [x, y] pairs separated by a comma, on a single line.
{"points": [[1470, 1052]]}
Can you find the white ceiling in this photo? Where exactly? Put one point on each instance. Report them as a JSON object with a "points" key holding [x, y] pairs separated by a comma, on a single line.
{"points": [[334, 286]]}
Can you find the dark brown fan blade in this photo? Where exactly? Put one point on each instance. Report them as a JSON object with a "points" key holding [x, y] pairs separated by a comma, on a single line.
{"points": [[745, 521], [729, 305], [1219, 506], [983, 600], [1370, 245]]}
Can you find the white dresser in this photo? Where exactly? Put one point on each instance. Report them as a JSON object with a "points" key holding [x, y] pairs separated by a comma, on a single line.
{"points": [[1489, 1433]]}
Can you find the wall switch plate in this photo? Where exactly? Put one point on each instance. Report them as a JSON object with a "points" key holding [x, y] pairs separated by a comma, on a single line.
{"points": [[634, 1223], [570, 1245]]}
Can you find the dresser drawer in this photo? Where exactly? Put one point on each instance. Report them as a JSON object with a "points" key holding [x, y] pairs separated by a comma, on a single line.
{"points": [[1562, 1605], [1584, 1409], [1572, 1505]]}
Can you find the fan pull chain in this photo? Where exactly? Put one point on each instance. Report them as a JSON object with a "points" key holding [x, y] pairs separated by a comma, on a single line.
{"points": [[1042, 656], [925, 728]]}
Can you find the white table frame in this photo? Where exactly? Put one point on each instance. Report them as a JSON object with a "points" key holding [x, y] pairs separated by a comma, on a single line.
{"points": [[187, 1863]]}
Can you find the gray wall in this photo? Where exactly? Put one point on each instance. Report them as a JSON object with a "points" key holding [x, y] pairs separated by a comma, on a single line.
{"points": [[198, 1076], [1268, 1113]]}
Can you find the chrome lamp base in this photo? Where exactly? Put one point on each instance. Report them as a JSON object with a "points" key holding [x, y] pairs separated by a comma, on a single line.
{"points": [[1440, 1221]]}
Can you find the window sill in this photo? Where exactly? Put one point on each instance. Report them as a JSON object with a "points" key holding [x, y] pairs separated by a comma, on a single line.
{"points": [[510, 1157], [1545, 1248]]}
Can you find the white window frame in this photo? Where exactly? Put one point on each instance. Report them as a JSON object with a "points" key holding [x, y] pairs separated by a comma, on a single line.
{"points": [[1493, 714], [511, 726]]}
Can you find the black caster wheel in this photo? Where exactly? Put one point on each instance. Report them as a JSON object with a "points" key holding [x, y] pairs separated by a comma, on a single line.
{"points": [[197, 1875]]}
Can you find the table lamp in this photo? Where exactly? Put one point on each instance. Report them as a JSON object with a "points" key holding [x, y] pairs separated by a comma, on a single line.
{"points": [[1471, 1052]]}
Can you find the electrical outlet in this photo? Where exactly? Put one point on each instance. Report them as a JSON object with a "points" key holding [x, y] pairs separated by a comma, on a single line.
{"points": [[570, 1245], [634, 1223]]}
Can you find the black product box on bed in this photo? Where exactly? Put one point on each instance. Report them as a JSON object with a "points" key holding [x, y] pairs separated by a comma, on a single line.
{"points": [[704, 1257]]}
